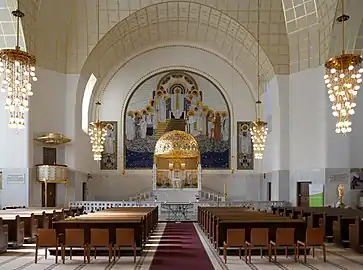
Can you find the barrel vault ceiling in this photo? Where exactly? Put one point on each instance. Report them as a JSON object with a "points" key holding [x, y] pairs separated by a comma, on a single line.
{"points": [[295, 34]]}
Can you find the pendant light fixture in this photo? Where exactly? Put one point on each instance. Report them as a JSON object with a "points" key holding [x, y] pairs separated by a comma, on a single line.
{"points": [[17, 69], [259, 128], [97, 133], [343, 76], [97, 130]]}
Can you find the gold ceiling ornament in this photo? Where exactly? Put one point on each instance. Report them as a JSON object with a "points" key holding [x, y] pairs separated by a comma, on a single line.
{"points": [[258, 128], [177, 144], [343, 76], [17, 69], [52, 138], [97, 133]]}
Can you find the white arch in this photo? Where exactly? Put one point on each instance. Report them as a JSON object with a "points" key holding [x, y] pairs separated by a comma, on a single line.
{"points": [[118, 90], [211, 30], [86, 101]]}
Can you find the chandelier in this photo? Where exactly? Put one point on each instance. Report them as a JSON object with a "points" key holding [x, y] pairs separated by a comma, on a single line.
{"points": [[258, 128], [343, 76], [97, 132], [258, 134], [17, 69]]}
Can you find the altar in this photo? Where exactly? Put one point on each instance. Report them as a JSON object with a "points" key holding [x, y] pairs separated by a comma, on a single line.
{"points": [[177, 171]]}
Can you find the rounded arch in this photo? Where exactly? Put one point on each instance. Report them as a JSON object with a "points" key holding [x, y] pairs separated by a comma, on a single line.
{"points": [[208, 28], [168, 70], [101, 86], [119, 88]]}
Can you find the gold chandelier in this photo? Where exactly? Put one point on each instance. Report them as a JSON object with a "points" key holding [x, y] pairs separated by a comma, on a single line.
{"points": [[97, 132], [343, 76], [259, 128], [17, 69]]}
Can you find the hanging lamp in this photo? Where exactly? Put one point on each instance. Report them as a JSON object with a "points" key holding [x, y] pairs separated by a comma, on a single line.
{"points": [[343, 76], [258, 128], [97, 133], [17, 69], [97, 130]]}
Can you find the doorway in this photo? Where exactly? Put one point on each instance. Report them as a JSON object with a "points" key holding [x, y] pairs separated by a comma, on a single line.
{"points": [[269, 191], [303, 194], [84, 191], [51, 195], [49, 156]]}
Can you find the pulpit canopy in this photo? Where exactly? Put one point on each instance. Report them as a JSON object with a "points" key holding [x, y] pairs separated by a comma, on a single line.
{"points": [[177, 144]]}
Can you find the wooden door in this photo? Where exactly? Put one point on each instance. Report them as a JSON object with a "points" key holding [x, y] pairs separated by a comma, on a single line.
{"points": [[303, 194], [84, 191], [49, 156], [269, 191], [51, 195]]}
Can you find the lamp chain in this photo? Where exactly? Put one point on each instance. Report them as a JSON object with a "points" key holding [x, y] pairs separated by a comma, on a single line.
{"points": [[98, 104], [258, 62], [17, 27], [343, 30]]}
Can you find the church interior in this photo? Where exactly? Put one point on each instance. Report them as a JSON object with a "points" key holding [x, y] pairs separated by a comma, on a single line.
{"points": [[180, 134]]}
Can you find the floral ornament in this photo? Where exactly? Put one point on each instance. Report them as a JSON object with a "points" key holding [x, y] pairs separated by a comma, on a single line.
{"points": [[190, 113], [159, 93]]}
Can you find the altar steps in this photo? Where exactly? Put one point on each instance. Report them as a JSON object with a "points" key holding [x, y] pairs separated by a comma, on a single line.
{"points": [[175, 124], [161, 128]]}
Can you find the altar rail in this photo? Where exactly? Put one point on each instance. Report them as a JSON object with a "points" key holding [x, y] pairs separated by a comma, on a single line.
{"points": [[51, 172], [89, 206]]}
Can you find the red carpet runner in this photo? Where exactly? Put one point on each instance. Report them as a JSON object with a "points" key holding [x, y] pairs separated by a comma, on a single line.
{"points": [[180, 248]]}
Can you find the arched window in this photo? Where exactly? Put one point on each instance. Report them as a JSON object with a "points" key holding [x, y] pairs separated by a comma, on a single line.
{"points": [[86, 100]]}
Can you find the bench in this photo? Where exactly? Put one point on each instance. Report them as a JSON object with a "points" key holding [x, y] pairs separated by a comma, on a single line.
{"points": [[356, 235], [15, 230], [3, 236], [141, 219], [335, 222], [215, 221]]}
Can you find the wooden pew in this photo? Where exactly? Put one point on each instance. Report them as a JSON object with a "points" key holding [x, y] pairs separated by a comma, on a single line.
{"points": [[341, 230], [30, 224], [216, 221], [142, 219], [356, 235], [3, 236], [333, 221], [15, 230]]}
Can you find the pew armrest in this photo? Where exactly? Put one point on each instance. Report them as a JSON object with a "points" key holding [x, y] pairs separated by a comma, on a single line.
{"points": [[272, 243], [248, 244], [299, 243]]}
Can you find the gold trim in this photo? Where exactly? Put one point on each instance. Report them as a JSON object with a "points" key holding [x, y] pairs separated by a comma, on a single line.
{"points": [[53, 181], [343, 61], [51, 138]]}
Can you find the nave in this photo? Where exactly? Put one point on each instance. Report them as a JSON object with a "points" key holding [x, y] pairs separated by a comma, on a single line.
{"points": [[173, 245]]}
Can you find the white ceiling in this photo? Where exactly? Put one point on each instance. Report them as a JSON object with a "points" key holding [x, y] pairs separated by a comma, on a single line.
{"points": [[295, 34], [8, 25]]}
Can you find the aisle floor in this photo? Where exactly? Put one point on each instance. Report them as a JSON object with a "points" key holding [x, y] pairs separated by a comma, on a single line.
{"points": [[24, 259]]}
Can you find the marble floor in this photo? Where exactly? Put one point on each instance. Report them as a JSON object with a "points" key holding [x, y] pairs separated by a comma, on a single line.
{"points": [[24, 259]]}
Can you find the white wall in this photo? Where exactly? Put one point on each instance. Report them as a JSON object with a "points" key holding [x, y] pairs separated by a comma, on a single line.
{"points": [[125, 81], [303, 145], [14, 161], [52, 110]]}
